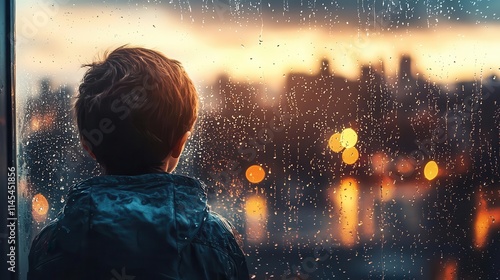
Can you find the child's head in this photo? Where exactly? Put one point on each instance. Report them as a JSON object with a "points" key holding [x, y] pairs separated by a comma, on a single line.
{"points": [[135, 110]]}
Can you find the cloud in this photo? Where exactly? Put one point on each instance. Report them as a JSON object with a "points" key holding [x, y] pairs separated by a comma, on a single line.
{"points": [[257, 51]]}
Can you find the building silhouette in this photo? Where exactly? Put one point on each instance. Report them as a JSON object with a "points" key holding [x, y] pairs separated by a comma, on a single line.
{"points": [[407, 119]]}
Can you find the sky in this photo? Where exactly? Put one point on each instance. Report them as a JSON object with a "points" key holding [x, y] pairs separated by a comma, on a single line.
{"points": [[261, 42]]}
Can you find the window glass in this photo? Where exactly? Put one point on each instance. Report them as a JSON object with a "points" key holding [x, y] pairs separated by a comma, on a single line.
{"points": [[343, 139]]}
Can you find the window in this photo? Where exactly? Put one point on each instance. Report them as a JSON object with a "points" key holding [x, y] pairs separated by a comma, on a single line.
{"points": [[344, 139]]}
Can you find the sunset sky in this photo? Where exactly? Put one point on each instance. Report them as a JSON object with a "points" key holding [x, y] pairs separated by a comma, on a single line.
{"points": [[261, 42]]}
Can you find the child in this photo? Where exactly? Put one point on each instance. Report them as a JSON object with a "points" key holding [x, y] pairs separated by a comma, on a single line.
{"points": [[135, 111]]}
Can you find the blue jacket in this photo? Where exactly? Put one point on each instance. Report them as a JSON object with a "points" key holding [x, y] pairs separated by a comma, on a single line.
{"points": [[151, 226]]}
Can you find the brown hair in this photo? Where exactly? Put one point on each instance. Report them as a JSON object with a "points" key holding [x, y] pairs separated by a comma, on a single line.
{"points": [[133, 106]]}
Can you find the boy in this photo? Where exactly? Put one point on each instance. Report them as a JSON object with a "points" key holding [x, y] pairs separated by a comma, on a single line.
{"points": [[135, 111]]}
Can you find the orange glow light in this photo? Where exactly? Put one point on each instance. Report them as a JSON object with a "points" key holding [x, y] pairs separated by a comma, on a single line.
{"points": [[350, 155], [481, 225], [450, 271], [256, 218], [39, 207], [484, 221], [334, 143], [405, 166], [42, 122], [255, 174], [387, 189], [255, 207], [366, 216], [346, 200], [431, 170], [35, 124], [380, 162]]}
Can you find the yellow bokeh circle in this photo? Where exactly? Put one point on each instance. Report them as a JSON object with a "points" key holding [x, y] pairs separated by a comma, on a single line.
{"points": [[348, 138], [255, 174], [350, 155], [431, 170]]}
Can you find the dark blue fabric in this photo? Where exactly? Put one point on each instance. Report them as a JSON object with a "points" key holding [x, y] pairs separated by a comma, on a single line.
{"points": [[151, 226]]}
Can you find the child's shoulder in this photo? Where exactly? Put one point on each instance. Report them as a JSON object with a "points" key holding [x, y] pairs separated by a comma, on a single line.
{"points": [[156, 186], [219, 232], [145, 180]]}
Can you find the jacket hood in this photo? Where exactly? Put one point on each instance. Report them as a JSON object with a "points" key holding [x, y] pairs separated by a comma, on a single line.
{"points": [[130, 218]]}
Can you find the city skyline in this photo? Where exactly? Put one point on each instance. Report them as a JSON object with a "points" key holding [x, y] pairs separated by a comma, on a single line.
{"points": [[301, 174], [253, 51], [343, 139]]}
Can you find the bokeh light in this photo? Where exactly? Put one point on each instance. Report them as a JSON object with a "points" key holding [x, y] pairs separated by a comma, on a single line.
{"points": [[449, 271], [276, 95], [35, 123], [346, 201], [431, 170], [350, 155], [405, 166], [484, 221], [387, 188], [380, 163], [255, 207], [39, 207], [481, 224], [334, 143], [255, 174], [348, 138], [256, 218], [42, 122]]}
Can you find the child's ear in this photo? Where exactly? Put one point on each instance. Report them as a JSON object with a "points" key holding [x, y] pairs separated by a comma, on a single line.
{"points": [[179, 146], [87, 148]]}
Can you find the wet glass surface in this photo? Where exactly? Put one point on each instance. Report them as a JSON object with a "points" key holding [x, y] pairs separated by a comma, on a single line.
{"points": [[344, 139]]}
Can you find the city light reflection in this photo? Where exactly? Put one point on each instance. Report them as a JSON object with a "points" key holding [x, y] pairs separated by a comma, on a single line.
{"points": [[380, 163], [431, 170], [346, 199], [387, 189], [449, 271], [39, 207], [256, 218], [35, 123], [40, 122], [255, 174], [405, 166], [394, 103], [348, 138], [484, 221], [350, 155], [334, 143]]}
